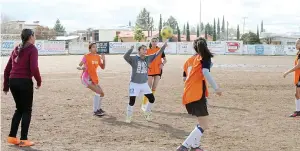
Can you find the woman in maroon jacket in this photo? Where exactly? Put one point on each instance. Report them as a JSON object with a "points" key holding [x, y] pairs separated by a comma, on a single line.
{"points": [[21, 66]]}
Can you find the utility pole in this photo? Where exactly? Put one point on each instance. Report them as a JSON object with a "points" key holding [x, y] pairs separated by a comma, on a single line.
{"points": [[200, 16], [244, 24]]}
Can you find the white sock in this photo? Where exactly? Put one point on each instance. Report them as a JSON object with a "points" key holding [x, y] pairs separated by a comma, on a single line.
{"points": [[193, 140], [100, 102], [298, 105], [149, 106], [129, 110], [96, 102]]}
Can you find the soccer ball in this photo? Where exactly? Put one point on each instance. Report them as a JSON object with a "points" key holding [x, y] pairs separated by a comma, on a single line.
{"points": [[166, 32]]}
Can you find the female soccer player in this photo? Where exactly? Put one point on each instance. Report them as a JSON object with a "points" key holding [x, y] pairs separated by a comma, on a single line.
{"points": [[21, 66], [139, 78], [296, 69], [196, 73], [155, 68], [89, 76]]}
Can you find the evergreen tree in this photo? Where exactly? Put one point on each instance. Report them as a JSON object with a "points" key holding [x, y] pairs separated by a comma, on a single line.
{"points": [[143, 20], [205, 33], [159, 28], [198, 31], [188, 38], [59, 28], [262, 26], [178, 34], [238, 33], [214, 34], [184, 30], [218, 29], [223, 25], [257, 34]]}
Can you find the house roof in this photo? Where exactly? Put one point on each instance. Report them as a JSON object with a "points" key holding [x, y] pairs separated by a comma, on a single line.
{"points": [[66, 38]]}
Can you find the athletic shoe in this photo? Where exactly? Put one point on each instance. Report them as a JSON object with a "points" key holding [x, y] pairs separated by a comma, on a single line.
{"points": [[197, 149], [98, 113], [148, 116], [102, 111], [13, 140], [296, 113], [182, 148], [26, 143], [128, 119]]}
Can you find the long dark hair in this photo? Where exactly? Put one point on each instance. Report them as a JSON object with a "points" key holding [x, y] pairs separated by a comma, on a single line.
{"points": [[201, 48], [150, 45], [25, 36]]}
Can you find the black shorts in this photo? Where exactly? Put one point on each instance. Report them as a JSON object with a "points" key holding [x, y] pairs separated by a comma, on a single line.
{"points": [[199, 107], [298, 85], [153, 75]]}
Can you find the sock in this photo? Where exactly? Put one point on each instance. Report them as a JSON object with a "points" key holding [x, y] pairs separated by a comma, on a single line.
{"points": [[100, 102], [193, 140], [148, 107], [298, 105], [145, 100], [96, 102], [129, 110], [153, 91]]}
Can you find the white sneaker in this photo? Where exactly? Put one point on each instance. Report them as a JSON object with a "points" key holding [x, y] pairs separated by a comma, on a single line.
{"points": [[148, 116], [128, 119]]}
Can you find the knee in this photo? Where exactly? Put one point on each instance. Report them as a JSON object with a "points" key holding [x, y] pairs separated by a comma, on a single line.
{"points": [[101, 93]]}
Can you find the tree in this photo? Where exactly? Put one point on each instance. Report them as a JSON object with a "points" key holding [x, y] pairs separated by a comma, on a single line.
{"points": [[198, 31], [116, 38], [250, 38], [209, 29], [143, 20], [193, 31], [215, 34], [223, 25], [159, 28], [59, 28], [44, 33], [138, 34], [172, 22], [129, 24], [205, 33], [201, 27], [188, 38], [257, 33], [262, 26], [218, 30], [178, 34], [238, 33], [184, 30]]}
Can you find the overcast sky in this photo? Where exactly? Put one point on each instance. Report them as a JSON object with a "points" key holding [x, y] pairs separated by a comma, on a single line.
{"points": [[278, 15]]}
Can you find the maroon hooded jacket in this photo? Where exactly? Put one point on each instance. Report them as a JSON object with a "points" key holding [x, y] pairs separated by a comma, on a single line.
{"points": [[22, 64]]}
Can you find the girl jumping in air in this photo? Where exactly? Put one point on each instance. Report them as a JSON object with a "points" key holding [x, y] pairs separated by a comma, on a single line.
{"points": [[89, 76], [139, 78], [155, 68], [196, 74], [296, 69]]}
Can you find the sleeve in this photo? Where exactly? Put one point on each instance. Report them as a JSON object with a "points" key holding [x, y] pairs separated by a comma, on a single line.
{"points": [[127, 56], [153, 56], [83, 59], [34, 67], [298, 56], [163, 55], [206, 64], [7, 74], [184, 74]]}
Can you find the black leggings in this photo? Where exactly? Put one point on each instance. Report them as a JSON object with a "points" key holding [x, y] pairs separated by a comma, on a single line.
{"points": [[22, 91], [150, 97]]}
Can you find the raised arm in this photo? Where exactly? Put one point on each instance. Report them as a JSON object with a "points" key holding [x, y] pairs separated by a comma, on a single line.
{"points": [[127, 55], [153, 56]]}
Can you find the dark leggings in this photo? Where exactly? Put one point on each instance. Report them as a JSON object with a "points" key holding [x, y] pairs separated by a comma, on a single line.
{"points": [[150, 97], [22, 91]]}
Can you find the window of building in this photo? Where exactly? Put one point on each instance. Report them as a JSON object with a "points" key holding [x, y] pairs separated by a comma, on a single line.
{"points": [[290, 43]]}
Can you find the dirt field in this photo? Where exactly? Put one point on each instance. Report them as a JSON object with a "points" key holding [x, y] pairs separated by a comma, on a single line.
{"points": [[251, 115]]}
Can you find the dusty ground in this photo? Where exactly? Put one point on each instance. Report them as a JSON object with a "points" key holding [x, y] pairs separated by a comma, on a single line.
{"points": [[251, 115]]}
